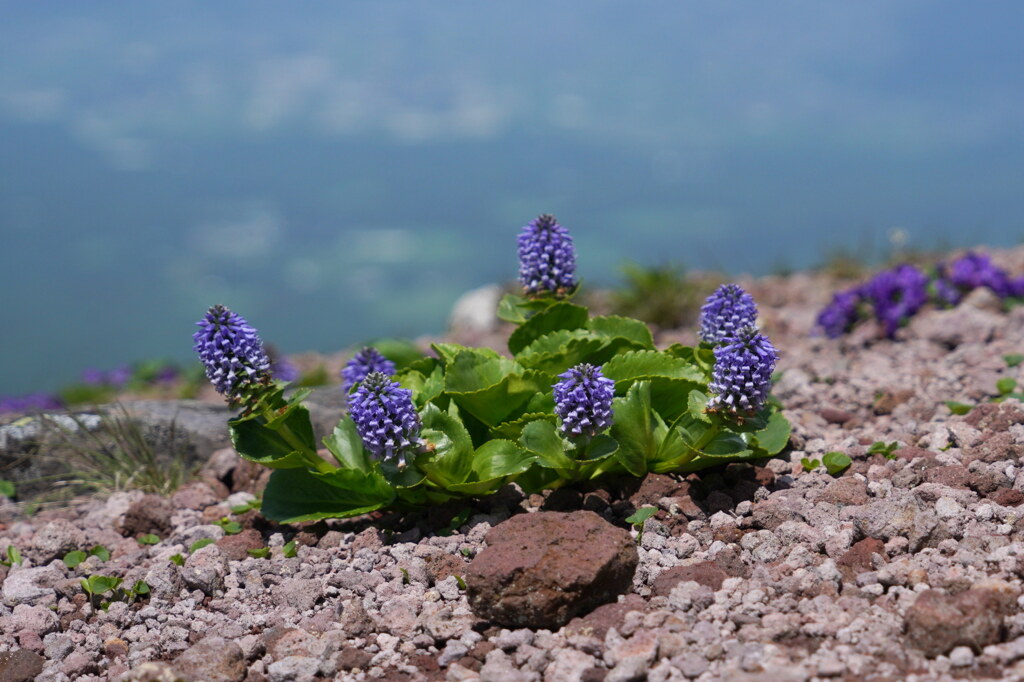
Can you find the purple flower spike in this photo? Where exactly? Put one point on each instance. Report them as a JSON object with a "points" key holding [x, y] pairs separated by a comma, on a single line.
{"points": [[547, 259], [742, 375], [841, 314], [725, 312], [385, 417], [583, 401], [363, 363], [897, 295], [232, 353]]}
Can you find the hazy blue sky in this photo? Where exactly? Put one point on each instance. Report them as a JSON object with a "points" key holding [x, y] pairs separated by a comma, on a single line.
{"points": [[337, 171]]}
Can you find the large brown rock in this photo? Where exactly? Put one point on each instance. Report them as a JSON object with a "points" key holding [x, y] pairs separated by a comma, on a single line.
{"points": [[938, 622], [212, 659], [542, 569]]}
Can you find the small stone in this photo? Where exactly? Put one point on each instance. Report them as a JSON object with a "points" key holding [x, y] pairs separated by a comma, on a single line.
{"points": [[938, 622], [54, 540], [707, 573], [302, 595], [294, 669], [212, 659], [205, 570], [691, 665], [568, 664], [352, 657], [150, 672], [961, 657], [20, 665], [236, 547], [32, 586]]}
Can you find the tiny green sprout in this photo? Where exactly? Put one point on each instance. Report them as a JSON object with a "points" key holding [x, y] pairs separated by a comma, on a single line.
{"points": [[13, 556], [455, 523], [809, 464], [248, 506], [7, 488], [1006, 385], [1013, 359], [199, 544], [148, 539], [261, 553], [177, 560], [100, 552], [466, 551], [638, 518], [72, 559], [230, 527], [884, 449], [98, 585], [958, 408], [289, 550], [836, 462], [139, 588], [405, 576], [460, 582]]}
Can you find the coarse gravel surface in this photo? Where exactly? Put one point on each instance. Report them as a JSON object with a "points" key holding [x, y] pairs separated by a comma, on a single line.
{"points": [[906, 567]]}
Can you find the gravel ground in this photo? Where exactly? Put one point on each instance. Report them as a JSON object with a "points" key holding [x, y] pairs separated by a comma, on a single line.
{"points": [[902, 568]]}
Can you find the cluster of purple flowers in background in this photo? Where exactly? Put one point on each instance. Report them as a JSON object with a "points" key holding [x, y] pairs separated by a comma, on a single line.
{"points": [[362, 364], [547, 258], [897, 294], [583, 401], [34, 402], [744, 358]]}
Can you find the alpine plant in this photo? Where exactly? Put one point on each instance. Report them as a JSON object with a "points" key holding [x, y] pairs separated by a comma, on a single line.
{"points": [[363, 363], [842, 313], [232, 354], [742, 375], [583, 401], [725, 313], [547, 258], [896, 295], [385, 418]]}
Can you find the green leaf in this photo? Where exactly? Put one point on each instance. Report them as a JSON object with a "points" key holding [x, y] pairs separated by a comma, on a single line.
{"points": [[1013, 359], [600, 447], [261, 553], [1006, 385], [72, 559], [492, 390], [452, 458], [7, 488], [448, 352], [626, 368], [510, 309], [512, 430], [101, 552], [101, 584], [13, 555], [148, 539], [638, 517], [494, 464], [289, 550], [627, 328], [809, 464], [696, 406], [727, 445], [773, 437], [257, 442], [461, 582], [558, 351], [541, 438], [231, 527], [347, 447], [634, 429], [199, 544], [554, 318], [294, 495], [177, 560], [880, 447], [402, 352], [140, 587], [836, 462], [958, 408]]}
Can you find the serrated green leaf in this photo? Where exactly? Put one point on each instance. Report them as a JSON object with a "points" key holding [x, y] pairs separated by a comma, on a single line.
{"points": [[511, 309], [773, 437], [696, 406], [494, 464], [294, 495], [452, 458], [448, 352], [512, 430], [633, 366], [492, 390], [260, 441], [555, 317], [958, 408], [541, 438], [613, 326], [558, 351], [347, 446], [72, 559], [836, 462], [634, 429]]}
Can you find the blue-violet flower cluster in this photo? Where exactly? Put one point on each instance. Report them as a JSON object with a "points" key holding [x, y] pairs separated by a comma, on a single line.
{"points": [[547, 258], [742, 376], [583, 401], [231, 352], [896, 295], [725, 313], [972, 271], [363, 363], [385, 417]]}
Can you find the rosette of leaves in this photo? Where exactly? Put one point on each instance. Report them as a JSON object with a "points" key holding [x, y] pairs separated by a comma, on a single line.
{"points": [[489, 419]]}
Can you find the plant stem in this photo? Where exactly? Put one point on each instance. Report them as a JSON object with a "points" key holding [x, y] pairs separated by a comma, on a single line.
{"points": [[708, 436], [313, 460]]}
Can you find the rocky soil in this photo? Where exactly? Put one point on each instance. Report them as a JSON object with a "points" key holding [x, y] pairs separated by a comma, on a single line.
{"points": [[906, 567]]}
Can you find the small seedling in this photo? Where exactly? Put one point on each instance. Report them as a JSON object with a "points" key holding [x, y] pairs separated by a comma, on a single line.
{"points": [[460, 582], [199, 544], [958, 408], [466, 551], [261, 553], [7, 488], [405, 576], [230, 527], [836, 462], [638, 518], [884, 449], [177, 560], [13, 556], [1006, 385], [455, 523], [289, 550], [97, 585], [1013, 359], [809, 464], [148, 539], [248, 506]]}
